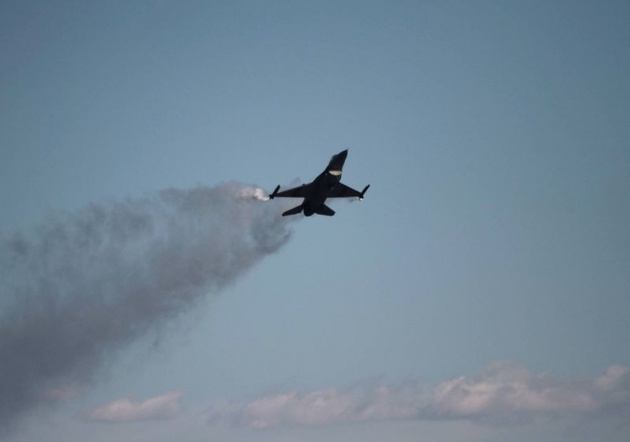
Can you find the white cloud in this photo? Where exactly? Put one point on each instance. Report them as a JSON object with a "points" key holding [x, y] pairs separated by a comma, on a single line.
{"points": [[501, 394], [324, 407], [313, 408], [614, 378], [505, 393], [165, 406], [504, 389]]}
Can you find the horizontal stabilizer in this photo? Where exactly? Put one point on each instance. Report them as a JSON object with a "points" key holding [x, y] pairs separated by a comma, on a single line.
{"points": [[325, 210], [293, 211]]}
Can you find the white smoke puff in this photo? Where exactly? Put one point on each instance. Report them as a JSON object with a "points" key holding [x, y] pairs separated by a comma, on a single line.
{"points": [[252, 193], [85, 284]]}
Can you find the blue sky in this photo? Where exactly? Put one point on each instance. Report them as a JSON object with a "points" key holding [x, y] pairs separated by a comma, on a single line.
{"points": [[491, 254]]}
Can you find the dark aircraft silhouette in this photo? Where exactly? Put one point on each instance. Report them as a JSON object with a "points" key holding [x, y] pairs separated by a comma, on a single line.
{"points": [[327, 185]]}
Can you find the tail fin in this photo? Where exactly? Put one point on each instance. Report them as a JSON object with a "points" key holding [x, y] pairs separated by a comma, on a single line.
{"points": [[294, 211], [325, 210]]}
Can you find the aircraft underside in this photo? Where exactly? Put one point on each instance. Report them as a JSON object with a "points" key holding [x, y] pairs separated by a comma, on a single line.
{"points": [[327, 185]]}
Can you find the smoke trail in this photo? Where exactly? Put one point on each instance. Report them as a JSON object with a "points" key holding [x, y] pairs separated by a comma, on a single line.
{"points": [[87, 283]]}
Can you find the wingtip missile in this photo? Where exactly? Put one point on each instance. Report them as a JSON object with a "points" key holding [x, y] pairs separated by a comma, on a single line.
{"points": [[363, 193], [273, 194]]}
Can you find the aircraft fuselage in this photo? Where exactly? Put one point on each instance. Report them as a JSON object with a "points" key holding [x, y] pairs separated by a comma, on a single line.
{"points": [[318, 192]]}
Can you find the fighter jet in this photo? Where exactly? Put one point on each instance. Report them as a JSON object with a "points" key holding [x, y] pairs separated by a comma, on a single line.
{"points": [[327, 185]]}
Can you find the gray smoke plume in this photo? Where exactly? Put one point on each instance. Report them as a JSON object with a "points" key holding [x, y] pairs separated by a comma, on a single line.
{"points": [[87, 283]]}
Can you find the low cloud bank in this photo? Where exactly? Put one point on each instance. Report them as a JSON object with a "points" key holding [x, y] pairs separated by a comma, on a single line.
{"points": [[502, 394], [165, 406]]}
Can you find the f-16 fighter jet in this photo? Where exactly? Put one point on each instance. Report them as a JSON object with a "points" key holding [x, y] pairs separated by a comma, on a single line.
{"points": [[327, 185]]}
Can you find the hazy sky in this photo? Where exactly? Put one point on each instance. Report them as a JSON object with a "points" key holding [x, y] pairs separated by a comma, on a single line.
{"points": [[479, 293]]}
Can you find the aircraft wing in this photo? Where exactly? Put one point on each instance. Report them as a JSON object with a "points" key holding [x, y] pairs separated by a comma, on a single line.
{"points": [[342, 191], [296, 192]]}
